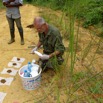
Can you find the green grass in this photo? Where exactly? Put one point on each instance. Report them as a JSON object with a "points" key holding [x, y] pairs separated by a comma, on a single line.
{"points": [[1, 5], [73, 82]]}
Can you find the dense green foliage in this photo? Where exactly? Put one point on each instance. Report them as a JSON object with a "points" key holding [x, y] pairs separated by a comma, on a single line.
{"points": [[90, 11]]}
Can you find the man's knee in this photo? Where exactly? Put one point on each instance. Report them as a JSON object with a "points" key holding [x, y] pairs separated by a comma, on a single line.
{"points": [[60, 60], [43, 63]]}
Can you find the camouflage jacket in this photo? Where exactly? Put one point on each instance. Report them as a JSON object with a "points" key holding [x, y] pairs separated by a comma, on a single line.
{"points": [[52, 41]]}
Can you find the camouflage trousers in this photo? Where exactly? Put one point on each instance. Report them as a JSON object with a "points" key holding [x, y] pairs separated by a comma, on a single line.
{"points": [[52, 63]]}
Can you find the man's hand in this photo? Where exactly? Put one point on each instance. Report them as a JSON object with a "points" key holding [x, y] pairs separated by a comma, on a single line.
{"points": [[45, 57], [8, 2], [30, 26], [33, 50], [5, 3]]}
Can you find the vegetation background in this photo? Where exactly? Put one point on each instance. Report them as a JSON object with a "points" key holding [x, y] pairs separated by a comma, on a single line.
{"points": [[89, 15]]}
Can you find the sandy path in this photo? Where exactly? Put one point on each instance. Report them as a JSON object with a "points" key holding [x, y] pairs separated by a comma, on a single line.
{"points": [[15, 92]]}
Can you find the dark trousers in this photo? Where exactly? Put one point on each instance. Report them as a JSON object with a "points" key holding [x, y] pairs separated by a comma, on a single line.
{"points": [[12, 28]]}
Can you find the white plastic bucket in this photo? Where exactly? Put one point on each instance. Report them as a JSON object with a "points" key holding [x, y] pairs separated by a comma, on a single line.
{"points": [[30, 83]]}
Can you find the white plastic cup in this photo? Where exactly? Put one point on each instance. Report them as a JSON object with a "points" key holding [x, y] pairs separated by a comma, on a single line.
{"points": [[35, 67]]}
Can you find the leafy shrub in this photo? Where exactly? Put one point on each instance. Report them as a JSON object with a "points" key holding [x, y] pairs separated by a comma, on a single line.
{"points": [[92, 13], [59, 4]]}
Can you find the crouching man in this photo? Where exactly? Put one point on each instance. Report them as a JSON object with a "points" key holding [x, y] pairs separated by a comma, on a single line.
{"points": [[50, 38]]}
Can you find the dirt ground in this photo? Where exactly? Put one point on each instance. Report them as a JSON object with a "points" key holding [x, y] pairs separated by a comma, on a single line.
{"points": [[15, 92]]}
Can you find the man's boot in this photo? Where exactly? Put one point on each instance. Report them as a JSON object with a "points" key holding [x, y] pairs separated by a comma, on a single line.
{"points": [[22, 41], [12, 38], [22, 38], [11, 41]]}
